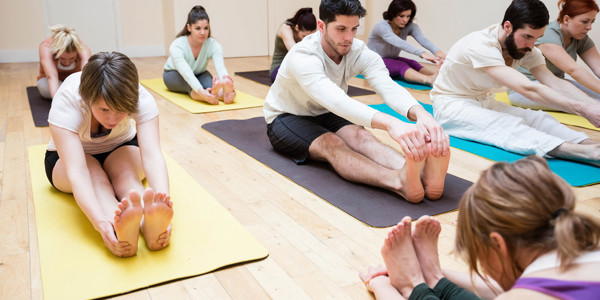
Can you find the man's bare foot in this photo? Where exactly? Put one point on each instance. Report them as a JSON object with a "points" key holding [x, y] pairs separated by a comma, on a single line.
{"points": [[425, 236], [410, 180], [205, 96], [433, 175], [127, 221], [156, 225], [228, 90], [400, 258]]}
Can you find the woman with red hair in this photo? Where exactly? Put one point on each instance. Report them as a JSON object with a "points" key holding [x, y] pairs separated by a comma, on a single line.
{"points": [[564, 40]]}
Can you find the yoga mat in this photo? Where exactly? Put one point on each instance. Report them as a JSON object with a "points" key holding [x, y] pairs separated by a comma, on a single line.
{"points": [[406, 84], [39, 106], [242, 100], [576, 174], [565, 118], [75, 264], [373, 206], [263, 77]]}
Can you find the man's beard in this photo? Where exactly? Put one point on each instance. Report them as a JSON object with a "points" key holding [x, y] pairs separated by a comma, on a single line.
{"points": [[511, 46]]}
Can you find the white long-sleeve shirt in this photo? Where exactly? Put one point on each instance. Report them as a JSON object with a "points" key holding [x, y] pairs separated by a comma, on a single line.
{"points": [[309, 83]]}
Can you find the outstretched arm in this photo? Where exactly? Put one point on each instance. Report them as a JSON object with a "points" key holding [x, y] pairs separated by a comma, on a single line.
{"points": [[47, 62], [560, 58], [432, 131], [80, 184], [569, 98], [287, 35], [409, 136], [153, 160]]}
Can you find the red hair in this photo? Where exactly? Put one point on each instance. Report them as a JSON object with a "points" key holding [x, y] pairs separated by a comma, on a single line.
{"points": [[574, 8]]}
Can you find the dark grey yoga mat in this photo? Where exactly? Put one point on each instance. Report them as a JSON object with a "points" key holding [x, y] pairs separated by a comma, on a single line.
{"points": [[374, 206], [264, 78], [39, 106]]}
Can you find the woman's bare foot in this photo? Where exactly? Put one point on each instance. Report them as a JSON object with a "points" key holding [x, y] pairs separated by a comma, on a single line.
{"points": [[410, 180], [228, 90], [205, 96], [127, 221], [400, 258], [425, 238], [433, 175], [158, 212]]}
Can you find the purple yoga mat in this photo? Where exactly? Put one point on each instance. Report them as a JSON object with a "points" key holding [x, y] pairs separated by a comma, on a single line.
{"points": [[371, 205]]}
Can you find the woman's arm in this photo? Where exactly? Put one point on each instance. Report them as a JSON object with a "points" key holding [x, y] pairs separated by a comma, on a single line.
{"points": [[591, 57], [561, 59], [286, 33], [84, 54], [78, 175], [177, 53], [153, 160], [47, 62]]}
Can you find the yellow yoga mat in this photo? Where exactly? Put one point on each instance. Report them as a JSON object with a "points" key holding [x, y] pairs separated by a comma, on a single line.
{"points": [[242, 100], [565, 118], [75, 264]]}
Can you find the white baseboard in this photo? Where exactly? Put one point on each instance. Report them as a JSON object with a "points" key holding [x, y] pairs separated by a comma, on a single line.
{"points": [[16, 56], [144, 51]]}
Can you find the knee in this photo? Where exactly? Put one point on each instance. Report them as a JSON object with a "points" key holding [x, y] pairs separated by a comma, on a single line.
{"points": [[327, 145]]}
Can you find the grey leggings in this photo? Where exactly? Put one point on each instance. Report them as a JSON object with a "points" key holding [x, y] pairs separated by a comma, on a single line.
{"points": [[176, 83]]}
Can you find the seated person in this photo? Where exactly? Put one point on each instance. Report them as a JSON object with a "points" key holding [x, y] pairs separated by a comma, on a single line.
{"points": [[388, 39], [185, 69], [463, 98], [61, 55], [290, 32], [517, 230], [94, 154], [561, 43], [310, 116]]}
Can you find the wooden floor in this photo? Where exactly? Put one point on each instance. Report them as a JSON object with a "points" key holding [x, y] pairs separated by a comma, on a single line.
{"points": [[316, 250]]}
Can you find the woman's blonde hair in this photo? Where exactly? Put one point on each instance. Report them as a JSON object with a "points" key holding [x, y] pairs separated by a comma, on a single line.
{"points": [[112, 77], [64, 39], [530, 207]]}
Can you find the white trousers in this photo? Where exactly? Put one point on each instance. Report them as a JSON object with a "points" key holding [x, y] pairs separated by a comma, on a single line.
{"points": [[515, 129], [44, 88]]}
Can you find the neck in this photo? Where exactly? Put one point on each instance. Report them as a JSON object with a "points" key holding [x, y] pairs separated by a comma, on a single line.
{"points": [[566, 35], [330, 52], [528, 256], [193, 42]]}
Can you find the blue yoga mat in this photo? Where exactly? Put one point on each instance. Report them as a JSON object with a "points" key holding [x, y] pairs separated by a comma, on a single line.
{"points": [[576, 174], [410, 85]]}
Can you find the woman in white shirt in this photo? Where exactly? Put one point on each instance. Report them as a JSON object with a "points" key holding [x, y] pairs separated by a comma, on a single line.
{"points": [[94, 154], [185, 70]]}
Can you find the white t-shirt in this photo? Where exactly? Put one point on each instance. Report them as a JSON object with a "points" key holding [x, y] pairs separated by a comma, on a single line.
{"points": [[462, 73], [309, 83], [70, 112]]}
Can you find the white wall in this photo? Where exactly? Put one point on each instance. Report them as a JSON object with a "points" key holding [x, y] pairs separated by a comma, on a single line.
{"points": [[243, 27]]}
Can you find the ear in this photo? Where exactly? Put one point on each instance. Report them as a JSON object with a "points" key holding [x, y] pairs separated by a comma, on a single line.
{"points": [[499, 244], [566, 19], [296, 28], [189, 27], [507, 26], [321, 26]]}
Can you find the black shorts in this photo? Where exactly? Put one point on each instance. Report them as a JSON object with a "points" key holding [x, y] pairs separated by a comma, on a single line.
{"points": [[292, 135], [52, 157]]}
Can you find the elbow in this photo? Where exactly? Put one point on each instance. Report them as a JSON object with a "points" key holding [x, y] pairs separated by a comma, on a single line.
{"points": [[530, 89]]}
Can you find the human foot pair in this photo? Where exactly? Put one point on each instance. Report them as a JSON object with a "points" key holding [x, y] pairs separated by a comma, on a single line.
{"points": [[153, 219], [424, 178], [410, 256], [223, 89]]}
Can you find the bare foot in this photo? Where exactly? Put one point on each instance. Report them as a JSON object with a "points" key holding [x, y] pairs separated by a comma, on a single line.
{"points": [[410, 180], [158, 212], [228, 90], [217, 85], [400, 258], [205, 96], [127, 221], [425, 238], [434, 175]]}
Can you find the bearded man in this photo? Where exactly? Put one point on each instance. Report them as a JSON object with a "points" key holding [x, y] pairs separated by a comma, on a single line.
{"points": [[479, 63]]}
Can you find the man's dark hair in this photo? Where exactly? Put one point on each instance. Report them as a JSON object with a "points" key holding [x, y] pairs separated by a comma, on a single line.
{"points": [[521, 13], [329, 9]]}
